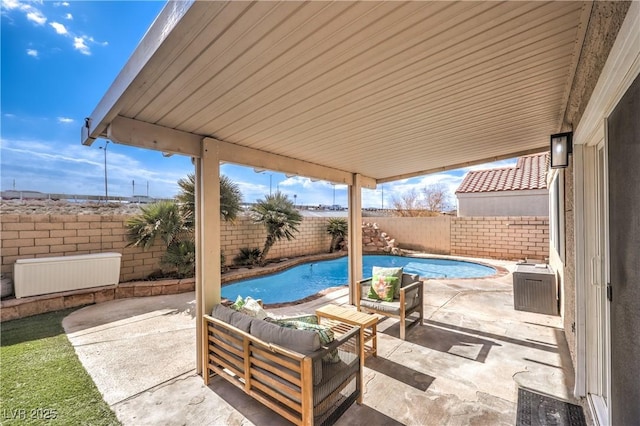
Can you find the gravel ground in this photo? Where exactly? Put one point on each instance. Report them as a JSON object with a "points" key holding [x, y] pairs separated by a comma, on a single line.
{"points": [[65, 207]]}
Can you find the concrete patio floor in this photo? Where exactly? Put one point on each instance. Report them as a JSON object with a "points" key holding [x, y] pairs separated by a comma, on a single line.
{"points": [[463, 366]]}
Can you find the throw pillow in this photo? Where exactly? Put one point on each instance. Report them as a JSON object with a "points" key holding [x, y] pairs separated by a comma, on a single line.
{"points": [[250, 307], [238, 304], [383, 288], [308, 318], [385, 283]]}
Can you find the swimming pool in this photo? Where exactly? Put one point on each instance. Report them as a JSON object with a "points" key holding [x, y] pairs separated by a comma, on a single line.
{"points": [[310, 278]]}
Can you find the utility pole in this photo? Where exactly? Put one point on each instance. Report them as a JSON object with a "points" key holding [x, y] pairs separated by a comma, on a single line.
{"points": [[382, 198], [334, 194], [147, 188], [133, 188], [106, 187]]}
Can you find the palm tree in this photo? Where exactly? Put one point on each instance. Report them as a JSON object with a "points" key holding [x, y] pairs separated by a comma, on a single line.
{"points": [[337, 227], [230, 199], [181, 255], [279, 217], [174, 223], [161, 219]]}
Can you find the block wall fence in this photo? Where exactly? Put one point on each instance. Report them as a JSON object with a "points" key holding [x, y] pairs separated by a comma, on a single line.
{"points": [[509, 237], [30, 236]]}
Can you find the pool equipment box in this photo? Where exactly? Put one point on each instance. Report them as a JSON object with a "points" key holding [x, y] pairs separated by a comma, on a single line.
{"points": [[535, 289]]}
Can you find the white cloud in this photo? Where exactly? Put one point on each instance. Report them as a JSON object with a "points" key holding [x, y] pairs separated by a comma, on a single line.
{"points": [[11, 4], [59, 167], [60, 28], [32, 52], [36, 16], [80, 45], [93, 40], [65, 120], [31, 13]]}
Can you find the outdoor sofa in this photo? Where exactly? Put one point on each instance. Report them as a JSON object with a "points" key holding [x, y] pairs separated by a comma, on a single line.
{"points": [[283, 368], [408, 299]]}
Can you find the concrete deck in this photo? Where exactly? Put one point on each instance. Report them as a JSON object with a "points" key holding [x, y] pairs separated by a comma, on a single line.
{"points": [[463, 366]]}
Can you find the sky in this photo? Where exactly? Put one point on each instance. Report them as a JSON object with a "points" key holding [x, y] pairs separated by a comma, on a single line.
{"points": [[57, 61]]}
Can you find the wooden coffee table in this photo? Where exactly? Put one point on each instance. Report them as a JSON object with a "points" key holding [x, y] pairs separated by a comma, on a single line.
{"points": [[339, 318]]}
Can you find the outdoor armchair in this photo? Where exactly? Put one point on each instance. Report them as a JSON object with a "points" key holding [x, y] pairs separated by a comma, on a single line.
{"points": [[411, 298]]}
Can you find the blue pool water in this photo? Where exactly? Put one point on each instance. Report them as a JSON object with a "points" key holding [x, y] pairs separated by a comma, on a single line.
{"points": [[310, 278]]}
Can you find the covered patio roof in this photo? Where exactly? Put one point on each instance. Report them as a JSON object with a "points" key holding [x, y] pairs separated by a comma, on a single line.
{"points": [[385, 90], [356, 93]]}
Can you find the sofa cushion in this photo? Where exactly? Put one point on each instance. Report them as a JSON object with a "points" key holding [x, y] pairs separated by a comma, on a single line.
{"points": [[231, 317], [301, 341], [324, 333], [385, 283]]}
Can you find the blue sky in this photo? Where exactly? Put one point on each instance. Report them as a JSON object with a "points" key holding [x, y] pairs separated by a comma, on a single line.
{"points": [[57, 61]]}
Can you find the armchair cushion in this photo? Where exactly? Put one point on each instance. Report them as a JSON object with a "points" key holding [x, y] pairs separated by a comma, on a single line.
{"points": [[389, 308], [408, 279], [385, 283]]}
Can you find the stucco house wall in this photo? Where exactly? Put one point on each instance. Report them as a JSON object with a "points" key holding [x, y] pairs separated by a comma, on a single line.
{"points": [[533, 202]]}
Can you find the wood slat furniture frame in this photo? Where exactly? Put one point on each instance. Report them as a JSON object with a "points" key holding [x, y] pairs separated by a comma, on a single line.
{"points": [[268, 372], [340, 319], [415, 289]]}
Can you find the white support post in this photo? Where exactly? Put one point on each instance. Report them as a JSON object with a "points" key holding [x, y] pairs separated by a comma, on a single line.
{"points": [[208, 267], [355, 235]]}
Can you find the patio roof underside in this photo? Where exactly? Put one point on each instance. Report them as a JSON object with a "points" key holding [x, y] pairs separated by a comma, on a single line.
{"points": [[386, 90]]}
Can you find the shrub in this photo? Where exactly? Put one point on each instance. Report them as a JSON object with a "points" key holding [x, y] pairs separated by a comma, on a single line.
{"points": [[247, 257]]}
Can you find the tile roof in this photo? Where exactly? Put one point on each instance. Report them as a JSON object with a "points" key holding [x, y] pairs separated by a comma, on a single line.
{"points": [[529, 173]]}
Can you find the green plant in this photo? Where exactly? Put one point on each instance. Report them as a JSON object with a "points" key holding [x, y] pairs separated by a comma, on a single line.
{"points": [[181, 255], [337, 227], [174, 223], [161, 219], [247, 257], [230, 199], [279, 217]]}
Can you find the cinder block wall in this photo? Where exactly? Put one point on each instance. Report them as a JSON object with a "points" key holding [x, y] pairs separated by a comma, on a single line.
{"points": [[430, 234], [30, 236], [311, 239], [513, 237]]}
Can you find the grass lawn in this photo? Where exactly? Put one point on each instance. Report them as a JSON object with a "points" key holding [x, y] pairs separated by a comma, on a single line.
{"points": [[42, 379]]}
